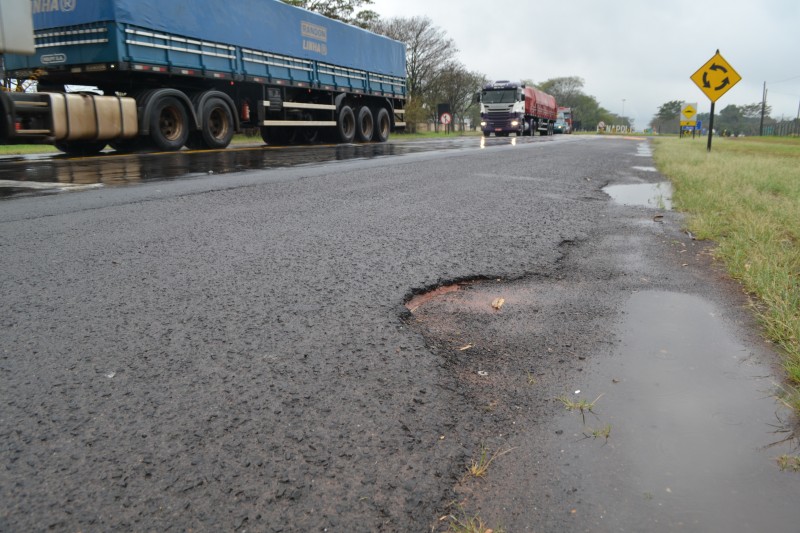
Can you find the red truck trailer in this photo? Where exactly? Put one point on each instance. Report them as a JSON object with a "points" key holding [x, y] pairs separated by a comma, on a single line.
{"points": [[511, 107]]}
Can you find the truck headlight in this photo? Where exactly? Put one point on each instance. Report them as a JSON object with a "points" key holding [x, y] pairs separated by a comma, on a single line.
{"points": [[515, 122], [483, 122]]}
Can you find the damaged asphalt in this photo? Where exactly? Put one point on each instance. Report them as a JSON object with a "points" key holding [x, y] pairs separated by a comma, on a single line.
{"points": [[233, 353]]}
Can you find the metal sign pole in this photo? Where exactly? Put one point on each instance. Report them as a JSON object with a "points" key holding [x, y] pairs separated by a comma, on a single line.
{"points": [[710, 127]]}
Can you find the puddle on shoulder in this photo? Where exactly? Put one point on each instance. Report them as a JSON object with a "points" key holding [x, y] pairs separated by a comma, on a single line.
{"points": [[692, 420], [656, 195]]}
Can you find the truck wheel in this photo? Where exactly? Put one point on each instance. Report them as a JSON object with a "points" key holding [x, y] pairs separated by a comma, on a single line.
{"points": [[217, 120], [383, 126], [169, 124], [309, 134], [127, 146], [487, 133], [346, 124], [365, 125], [80, 148], [278, 135]]}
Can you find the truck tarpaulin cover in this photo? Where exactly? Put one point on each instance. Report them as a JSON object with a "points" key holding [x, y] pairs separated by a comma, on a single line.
{"points": [[264, 25]]}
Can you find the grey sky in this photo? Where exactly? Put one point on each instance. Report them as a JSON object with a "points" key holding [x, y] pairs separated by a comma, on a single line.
{"points": [[642, 51]]}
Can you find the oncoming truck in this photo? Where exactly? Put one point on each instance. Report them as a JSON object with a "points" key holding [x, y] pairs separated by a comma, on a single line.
{"points": [[564, 120], [162, 75], [511, 107]]}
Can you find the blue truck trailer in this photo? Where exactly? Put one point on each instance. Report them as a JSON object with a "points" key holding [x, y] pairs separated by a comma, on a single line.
{"points": [[167, 74]]}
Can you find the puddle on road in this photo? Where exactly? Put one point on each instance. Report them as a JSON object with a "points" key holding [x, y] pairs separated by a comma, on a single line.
{"points": [[655, 195], [113, 169], [692, 416]]}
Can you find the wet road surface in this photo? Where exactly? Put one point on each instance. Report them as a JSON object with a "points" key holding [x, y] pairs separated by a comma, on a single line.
{"points": [[56, 173], [234, 352]]}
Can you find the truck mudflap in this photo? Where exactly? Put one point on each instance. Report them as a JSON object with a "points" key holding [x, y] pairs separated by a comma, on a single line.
{"points": [[56, 117]]}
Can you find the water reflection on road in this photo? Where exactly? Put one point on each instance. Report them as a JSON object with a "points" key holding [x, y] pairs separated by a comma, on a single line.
{"points": [[28, 175]]}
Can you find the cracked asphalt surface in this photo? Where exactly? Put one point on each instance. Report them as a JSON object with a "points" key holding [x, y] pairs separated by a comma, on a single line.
{"points": [[232, 353]]}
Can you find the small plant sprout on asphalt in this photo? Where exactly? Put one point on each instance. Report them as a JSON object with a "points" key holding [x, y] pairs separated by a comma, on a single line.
{"points": [[604, 433], [581, 405], [480, 466]]}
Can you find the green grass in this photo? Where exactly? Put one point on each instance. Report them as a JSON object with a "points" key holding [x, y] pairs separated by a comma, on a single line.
{"points": [[582, 405], [469, 524], [789, 462], [745, 196], [604, 433], [26, 149]]}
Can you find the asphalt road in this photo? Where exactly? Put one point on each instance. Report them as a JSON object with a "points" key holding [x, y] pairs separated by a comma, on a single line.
{"points": [[232, 352]]}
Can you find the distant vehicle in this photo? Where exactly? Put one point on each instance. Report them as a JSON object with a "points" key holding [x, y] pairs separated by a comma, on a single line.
{"points": [[510, 107], [194, 72], [564, 120]]}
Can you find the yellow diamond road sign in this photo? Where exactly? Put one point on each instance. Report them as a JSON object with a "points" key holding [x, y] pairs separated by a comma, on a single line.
{"points": [[688, 113], [716, 77]]}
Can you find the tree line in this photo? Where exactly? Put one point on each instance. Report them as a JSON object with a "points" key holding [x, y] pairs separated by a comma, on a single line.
{"points": [[435, 76], [732, 119]]}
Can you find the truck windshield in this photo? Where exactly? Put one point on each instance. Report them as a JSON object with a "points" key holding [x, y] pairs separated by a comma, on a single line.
{"points": [[498, 97]]}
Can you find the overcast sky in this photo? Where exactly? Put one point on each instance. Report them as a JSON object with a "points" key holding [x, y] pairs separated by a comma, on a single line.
{"points": [[639, 51]]}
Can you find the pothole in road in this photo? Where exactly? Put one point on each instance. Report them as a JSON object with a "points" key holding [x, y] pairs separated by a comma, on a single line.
{"points": [[656, 195], [425, 297]]}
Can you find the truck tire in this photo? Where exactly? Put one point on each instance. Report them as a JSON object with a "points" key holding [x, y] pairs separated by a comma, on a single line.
{"points": [[346, 124], [383, 125], [365, 125], [217, 124], [308, 134], [80, 148], [127, 146], [278, 135], [169, 124]]}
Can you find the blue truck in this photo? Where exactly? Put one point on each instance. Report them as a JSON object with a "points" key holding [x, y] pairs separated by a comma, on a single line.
{"points": [[162, 75]]}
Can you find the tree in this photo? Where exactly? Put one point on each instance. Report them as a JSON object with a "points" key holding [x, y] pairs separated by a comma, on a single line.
{"points": [[348, 11], [456, 86], [586, 111], [666, 120], [670, 110], [565, 90], [428, 50], [754, 110]]}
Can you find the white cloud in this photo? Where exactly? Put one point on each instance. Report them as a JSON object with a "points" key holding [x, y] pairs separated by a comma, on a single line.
{"points": [[642, 51]]}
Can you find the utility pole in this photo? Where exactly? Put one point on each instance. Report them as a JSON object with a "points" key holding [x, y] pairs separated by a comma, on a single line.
{"points": [[797, 120], [763, 110]]}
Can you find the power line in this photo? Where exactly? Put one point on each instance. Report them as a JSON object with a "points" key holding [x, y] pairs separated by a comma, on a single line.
{"points": [[787, 79]]}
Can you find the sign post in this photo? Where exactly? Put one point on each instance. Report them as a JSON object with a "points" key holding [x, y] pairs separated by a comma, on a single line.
{"points": [[446, 119], [715, 78], [689, 117]]}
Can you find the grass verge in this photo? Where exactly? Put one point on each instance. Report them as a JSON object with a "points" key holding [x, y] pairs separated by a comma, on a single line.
{"points": [[26, 149], [745, 196]]}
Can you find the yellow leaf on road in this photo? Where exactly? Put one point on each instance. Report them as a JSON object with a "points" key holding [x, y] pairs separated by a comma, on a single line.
{"points": [[498, 303]]}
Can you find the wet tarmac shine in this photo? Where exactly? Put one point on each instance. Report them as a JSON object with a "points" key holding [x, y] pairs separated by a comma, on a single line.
{"points": [[693, 416], [23, 175]]}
